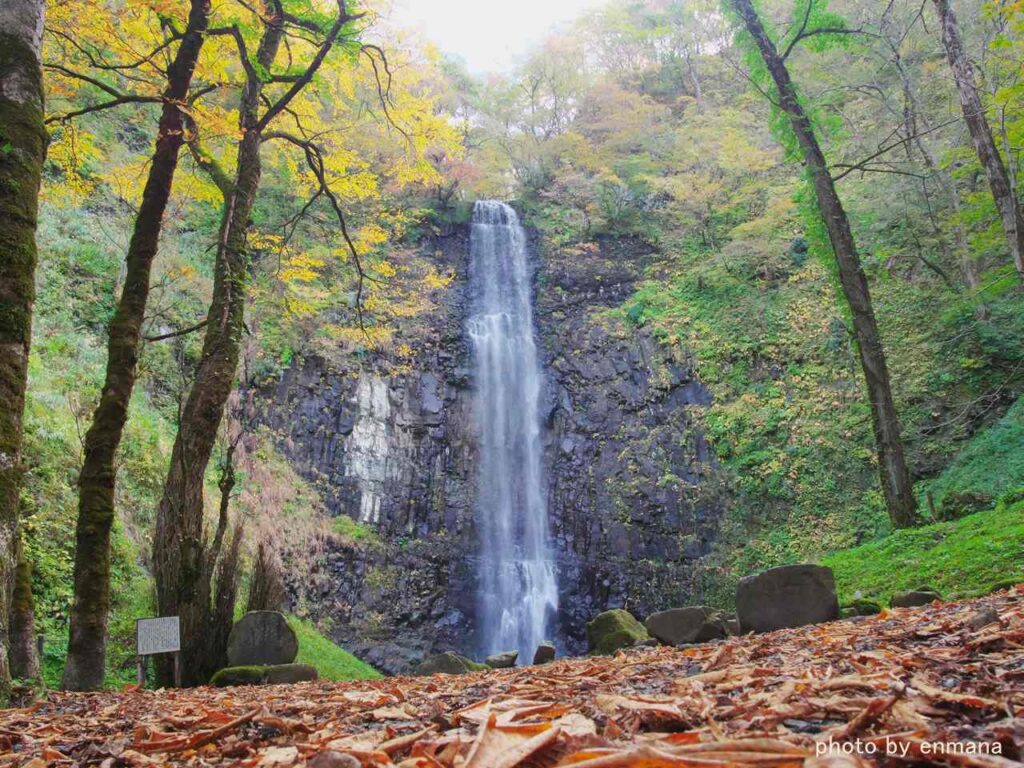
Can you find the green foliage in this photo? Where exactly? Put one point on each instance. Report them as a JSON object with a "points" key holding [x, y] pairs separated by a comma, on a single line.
{"points": [[351, 530], [960, 558], [330, 660], [991, 464]]}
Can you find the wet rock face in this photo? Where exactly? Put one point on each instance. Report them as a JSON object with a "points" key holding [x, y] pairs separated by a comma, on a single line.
{"points": [[633, 494]]}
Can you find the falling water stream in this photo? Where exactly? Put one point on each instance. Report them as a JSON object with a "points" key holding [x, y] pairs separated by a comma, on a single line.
{"points": [[517, 589]]}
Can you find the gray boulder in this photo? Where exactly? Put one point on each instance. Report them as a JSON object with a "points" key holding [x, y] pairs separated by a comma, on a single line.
{"points": [[262, 638], [788, 596], [545, 653], [680, 626], [914, 598], [502, 660]]}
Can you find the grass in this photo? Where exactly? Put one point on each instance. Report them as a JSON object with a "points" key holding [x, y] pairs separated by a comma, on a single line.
{"points": [[330, 660], [960, 558]]}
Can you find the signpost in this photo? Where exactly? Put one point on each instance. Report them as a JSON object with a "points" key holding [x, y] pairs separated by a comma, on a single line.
{"points": [[159, 635]]}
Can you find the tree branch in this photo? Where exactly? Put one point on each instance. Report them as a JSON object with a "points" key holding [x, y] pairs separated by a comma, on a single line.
{"points": [[303, 80], [174, 334]]}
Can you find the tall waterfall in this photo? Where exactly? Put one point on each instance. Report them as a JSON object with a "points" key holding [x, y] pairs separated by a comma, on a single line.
{"points": [[517, 588]]}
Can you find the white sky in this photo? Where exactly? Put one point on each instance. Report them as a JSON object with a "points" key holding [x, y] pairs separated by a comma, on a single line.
{"points": [[488, 35]]}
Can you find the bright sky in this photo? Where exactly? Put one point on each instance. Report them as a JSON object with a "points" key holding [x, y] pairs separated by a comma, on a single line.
{"points": [[488, 35]]}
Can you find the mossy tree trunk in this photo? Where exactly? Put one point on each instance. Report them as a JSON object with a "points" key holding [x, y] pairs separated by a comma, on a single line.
{"points": [[87, 647], [981, 135], [23, 654], [183, 560], [22, 151], [892, 466]]}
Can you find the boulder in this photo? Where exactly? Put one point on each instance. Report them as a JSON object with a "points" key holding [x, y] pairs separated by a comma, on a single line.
{"points": [[256, 674], [914, 598], [788, 596], [502, 660], [262, 638], [612, 630], [680, 626], [447, 663], [545, 653]]}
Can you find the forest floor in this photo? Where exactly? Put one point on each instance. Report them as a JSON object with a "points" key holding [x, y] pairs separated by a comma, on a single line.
{"points": [[943, 684]]}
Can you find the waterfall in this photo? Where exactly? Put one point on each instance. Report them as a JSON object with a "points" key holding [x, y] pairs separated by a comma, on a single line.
{"points": [[517, 590]]}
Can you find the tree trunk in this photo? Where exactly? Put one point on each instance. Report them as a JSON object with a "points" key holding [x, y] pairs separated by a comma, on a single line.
{"points": [[23, 654], [895, 478], [87, 647], [981, 135], [266, 587], [184, 568], [23, 141]]}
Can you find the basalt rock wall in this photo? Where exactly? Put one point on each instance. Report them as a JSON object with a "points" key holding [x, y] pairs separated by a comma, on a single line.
{"points": [[633, 493]]}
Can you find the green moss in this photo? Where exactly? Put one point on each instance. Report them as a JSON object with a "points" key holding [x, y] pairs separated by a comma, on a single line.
{"points": [[992, 463], [252, 675], [960, 558], [612, 630], [354, 531]]}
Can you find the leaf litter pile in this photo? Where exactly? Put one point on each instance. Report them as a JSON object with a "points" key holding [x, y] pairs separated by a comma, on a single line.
{"points": [[939, 685]]}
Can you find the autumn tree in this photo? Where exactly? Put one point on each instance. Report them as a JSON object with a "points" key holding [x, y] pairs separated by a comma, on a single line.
{"points": [[892, 466], [87, 647], [22, 150], [184, 560], [981, 135]]}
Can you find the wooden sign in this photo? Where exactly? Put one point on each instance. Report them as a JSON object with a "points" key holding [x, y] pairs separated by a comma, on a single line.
{"points": [[159, 635]]}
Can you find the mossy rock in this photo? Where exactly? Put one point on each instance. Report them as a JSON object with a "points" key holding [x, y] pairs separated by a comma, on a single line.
{"points": [[860, 607], [270, 674], [448, 663], [612, 630]]}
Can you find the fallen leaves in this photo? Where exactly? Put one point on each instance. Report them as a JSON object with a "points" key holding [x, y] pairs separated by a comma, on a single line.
{"points": [[906, 680]]}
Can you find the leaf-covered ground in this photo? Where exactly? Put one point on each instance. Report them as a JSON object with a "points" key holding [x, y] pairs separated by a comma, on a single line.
{"points": [[942, 684]]}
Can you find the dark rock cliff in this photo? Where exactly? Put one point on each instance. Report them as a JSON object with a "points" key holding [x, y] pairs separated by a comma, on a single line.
{"points": [[633, 495]]}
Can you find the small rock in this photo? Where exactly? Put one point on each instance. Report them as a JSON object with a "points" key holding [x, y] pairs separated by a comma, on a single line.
{"points": [[502, 660], [983, 618], [788, 596], [332, 759], [693, 624], [447, 663], [914, 598], [860, 607], [545, 653], [612, 630]]}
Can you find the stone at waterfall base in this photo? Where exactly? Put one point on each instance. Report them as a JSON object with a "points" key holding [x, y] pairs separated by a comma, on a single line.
{"points": [[267, 674], [692, 624], [262, 638], [612, 630], [504, 660], [787, 596], [544, 654], [447, 663], [915, 598]]}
